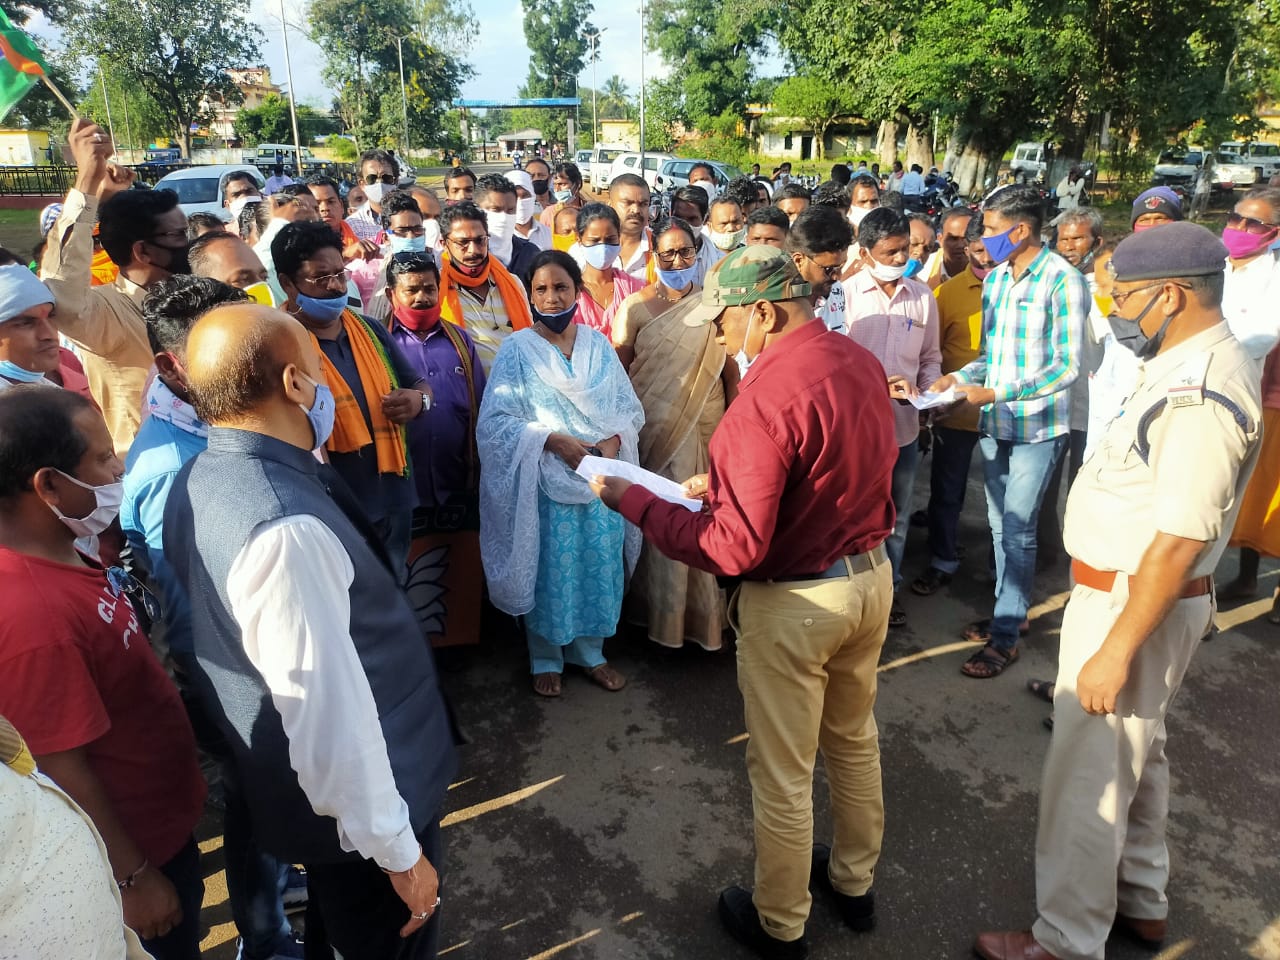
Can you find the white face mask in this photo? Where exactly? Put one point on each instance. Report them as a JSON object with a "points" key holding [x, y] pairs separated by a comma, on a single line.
{"points": [[431, 233], [740, 358], [727, 241], [236, 206], [856, 215], [375, 191], [525, 209], [709, 188], [108, 498], [502, 228], [884, 272]]}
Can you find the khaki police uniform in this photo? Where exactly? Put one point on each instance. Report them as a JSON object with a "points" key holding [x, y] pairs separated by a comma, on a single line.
{"points": [[1176, 460]]}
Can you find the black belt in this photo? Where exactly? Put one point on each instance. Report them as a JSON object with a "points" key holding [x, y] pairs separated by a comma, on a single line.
{"points": [[843, 567]]}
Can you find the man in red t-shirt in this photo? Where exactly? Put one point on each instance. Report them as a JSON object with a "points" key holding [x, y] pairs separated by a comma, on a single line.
{"points": [[78, 678]]}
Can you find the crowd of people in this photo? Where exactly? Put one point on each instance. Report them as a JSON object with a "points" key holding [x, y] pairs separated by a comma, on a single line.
{"points": [[243, 462]]}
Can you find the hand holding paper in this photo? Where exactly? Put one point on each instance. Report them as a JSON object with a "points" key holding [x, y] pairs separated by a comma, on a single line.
{"points": [[661, 487]]}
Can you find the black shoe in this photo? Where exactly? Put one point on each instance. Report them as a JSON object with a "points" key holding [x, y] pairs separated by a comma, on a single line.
{"points": [[858, 913], [739, 916]]}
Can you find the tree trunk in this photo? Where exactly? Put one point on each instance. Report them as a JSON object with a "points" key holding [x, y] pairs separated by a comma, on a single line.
{"points": [[920, 146], [184, 137], [819, 135], [976, 164], [887, 144]]}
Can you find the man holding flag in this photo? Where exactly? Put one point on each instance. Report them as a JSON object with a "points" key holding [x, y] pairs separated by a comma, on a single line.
{"points": [[145, 234]]}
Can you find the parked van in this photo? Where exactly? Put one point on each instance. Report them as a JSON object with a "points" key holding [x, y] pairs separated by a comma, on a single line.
{"points": [[1263, 157], [602, 157], [630, 163]]}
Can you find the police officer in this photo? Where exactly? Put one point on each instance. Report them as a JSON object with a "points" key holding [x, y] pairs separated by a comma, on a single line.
{"points": [[798, 506], [1147, 521]]}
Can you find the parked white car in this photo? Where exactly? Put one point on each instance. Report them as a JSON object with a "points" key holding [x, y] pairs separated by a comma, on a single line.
{"points": [[199, 189], [602, 157], [630, 163]]}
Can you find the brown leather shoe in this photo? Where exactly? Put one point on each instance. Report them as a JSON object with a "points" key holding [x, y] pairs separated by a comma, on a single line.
{"points": [[1149, 933], [1010, 945]]}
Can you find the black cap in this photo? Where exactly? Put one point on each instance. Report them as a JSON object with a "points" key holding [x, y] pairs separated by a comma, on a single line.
{"points": [[1180, 249]]}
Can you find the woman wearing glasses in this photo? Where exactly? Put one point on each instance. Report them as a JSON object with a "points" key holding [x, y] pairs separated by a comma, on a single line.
{"points": [[680, 375], [604, 286], [1249, 305]]}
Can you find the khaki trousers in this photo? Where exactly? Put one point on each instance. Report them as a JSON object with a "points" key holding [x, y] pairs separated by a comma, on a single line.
{"points": [[1104, 801], [807, 656]]}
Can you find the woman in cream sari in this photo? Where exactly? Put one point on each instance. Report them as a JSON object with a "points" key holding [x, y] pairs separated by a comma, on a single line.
{"points": [[679, 374]]}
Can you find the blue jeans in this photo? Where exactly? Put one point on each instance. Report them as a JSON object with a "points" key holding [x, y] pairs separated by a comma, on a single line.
{"points": [[948, 480], [1048, 529], [183, 941], [548, 657], [255, 879], [1017, 475], [904, 478]]}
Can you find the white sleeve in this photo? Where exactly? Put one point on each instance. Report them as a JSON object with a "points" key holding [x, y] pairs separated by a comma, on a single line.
{"points": [[288, 589]]}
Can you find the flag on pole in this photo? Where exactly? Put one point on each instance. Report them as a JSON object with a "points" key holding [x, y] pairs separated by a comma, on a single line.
{"points": [[21, 65]]}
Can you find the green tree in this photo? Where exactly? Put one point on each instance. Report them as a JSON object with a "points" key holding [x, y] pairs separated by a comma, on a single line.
{"points": [[712, 47], [615, 102], [553, 32], [270, 122], [137, 119], [175, 52], [664, 114], [816, 101]]}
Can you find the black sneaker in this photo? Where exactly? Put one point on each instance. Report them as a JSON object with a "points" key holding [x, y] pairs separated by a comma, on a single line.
{"points": [[858, 913], [739, 916]]}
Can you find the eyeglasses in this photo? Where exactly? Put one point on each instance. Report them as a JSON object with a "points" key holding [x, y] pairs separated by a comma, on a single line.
{"points": [[1120, 299], [121, 581], [464, 242], [831, 273], [328, 280], [668, 257], [372, 178], [1252, 225], [407, 231]]}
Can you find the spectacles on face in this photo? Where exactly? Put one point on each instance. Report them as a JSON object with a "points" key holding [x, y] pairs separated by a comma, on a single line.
{"points": [[407, 231], [1120, 299], [180, 236], [372, 178], [1238, 221], [669, 257], [329, 281], [832, 272], [462, 243]]}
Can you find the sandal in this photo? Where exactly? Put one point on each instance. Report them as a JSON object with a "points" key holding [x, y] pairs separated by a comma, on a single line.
{"points": [[1042, 689], [546, 684], [607, 677], [930, 582], [980, 631], [897, 616], [988, 662], [1274, 615]]}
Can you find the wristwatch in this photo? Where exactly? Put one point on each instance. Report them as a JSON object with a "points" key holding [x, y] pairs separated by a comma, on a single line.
{"points": [[426, 404]]}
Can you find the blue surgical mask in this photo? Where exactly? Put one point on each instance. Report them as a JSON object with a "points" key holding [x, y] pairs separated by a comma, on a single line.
{"points": [[1000, 248], [602, 255], [677, 279], [322, 311], [913, 267], [321, 413], [11, 371], [555, 322], [408, 244], [563, 196]]}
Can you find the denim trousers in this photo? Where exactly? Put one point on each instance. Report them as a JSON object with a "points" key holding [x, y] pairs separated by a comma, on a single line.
{"points": [[1017, 475], [1049, 528], [948, 478], [904, 478]]}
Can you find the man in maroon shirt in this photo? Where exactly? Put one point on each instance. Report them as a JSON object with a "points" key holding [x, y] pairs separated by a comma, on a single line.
{"points": [[78, 678], [798, 507]]}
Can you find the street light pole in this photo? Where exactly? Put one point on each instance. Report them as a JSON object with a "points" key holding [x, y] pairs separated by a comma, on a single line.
{"points": [[642, 87], [594, 40], [293, 104]]}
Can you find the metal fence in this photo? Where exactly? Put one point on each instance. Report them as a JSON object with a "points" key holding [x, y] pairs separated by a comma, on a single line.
{"points": [[55, 181]]}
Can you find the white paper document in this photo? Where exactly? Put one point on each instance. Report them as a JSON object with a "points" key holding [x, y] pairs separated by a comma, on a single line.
{"points": [[928, 400], [661, 487]]}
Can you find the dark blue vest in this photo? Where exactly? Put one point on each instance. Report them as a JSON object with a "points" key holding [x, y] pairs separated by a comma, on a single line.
{"points": [[242, 481]]}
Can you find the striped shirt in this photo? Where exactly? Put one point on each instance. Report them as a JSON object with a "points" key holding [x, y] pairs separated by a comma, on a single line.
{"points": [[1031, 330]]}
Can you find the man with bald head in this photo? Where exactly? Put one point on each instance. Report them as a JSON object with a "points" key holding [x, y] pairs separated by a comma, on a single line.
{"points": [[307, 650], [227, 259]]}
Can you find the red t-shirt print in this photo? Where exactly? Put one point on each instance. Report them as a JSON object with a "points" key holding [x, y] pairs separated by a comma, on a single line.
{"points": [[76, 670]]}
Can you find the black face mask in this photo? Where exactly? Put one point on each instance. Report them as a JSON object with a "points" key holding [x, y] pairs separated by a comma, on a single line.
{"points": [[178, 262], [540, 187], [555, 322], [1129, 333]]}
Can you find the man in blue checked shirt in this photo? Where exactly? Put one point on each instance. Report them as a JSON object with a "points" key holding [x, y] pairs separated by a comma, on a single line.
{"points": [[1034, 308]]}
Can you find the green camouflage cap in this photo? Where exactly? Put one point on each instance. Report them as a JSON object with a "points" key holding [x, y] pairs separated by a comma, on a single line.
{"points": [[749, 274]]}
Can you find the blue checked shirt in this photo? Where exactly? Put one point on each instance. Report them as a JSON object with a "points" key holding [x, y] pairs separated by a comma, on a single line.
{"points": [[1031, 330]]}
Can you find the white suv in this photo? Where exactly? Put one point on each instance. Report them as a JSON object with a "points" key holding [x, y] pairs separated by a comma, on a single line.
{"points": [[630, 163]]}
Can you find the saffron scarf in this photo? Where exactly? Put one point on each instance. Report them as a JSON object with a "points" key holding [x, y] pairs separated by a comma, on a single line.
{"points": [[513, 297], [377, 378]]}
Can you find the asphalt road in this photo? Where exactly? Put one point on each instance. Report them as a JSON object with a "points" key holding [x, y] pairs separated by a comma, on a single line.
{"points": [[604, 825]]}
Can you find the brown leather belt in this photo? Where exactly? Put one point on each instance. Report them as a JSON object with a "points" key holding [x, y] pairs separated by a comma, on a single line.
{"points": [[1104, 580]]}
